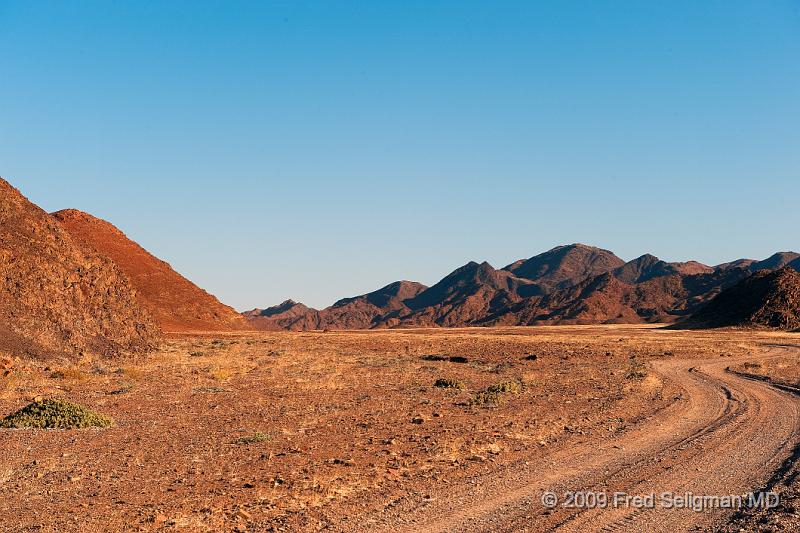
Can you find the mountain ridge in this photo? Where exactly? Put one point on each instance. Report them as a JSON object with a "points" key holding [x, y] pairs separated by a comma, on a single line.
{"points": [[571, 284]]}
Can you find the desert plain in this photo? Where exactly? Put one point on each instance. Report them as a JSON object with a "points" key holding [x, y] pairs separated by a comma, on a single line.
{"points": [[459, 429]]}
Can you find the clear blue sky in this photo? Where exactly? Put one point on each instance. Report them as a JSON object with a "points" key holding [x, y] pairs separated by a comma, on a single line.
{"points": [[317, 150]]}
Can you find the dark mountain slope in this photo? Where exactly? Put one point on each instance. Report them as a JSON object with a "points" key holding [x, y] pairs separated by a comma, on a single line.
{"points": [[289, 315], [372, 309], [646, 289], [648, 266], [565, 265], [775, 261], [765, 299]]}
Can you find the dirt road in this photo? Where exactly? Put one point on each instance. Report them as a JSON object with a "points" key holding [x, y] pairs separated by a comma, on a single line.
{"points": [[723, 435]]}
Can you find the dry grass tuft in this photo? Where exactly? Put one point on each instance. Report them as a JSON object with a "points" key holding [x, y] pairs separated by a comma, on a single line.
{"points": [[69, 374], [493, 394], [132, 373], [448, 383], [254, 438], [221, 373], [636, 369]]}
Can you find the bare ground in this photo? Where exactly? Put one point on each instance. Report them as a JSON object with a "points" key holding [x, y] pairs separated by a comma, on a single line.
{"points": [[347, 432]]}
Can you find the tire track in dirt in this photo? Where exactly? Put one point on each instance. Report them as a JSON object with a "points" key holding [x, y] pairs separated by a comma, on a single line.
{"points": [[725, 436]]}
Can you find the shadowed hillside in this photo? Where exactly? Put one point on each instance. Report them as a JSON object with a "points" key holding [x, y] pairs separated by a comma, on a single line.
{"points": [[565, 266], [765, 299]]}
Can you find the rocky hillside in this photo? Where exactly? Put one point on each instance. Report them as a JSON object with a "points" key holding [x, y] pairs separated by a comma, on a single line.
{"points": [[57, 297], [648, 266], [775, 261], [466, 296], [766, 299], [176, 303], [606, 299], [375, 309], [565, 266]]}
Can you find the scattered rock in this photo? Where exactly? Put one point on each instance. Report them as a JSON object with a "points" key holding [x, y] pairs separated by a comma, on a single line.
{"points": [[6, 366]]}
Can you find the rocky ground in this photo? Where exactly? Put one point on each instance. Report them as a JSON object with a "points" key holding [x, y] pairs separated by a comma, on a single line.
{"points": [[306, 431]]}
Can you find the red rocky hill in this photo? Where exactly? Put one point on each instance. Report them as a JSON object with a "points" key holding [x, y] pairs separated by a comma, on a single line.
{"points": [[176, 303], [56, 297]]}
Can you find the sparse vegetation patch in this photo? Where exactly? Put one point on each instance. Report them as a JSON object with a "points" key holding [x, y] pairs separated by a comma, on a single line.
{"points": [[493, 394], [254, 438], [212, 390], [448, 383], [514, 387], [55, 414], [68, 374], [636, 369]]}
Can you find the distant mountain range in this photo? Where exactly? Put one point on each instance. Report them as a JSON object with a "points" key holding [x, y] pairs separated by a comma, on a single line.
{"points": [[572, 284]]}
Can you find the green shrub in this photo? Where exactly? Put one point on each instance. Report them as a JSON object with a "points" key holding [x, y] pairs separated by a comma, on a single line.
{"points": [[55, 414]]}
